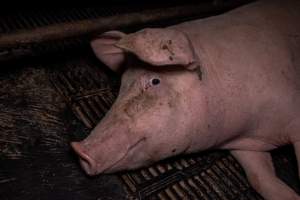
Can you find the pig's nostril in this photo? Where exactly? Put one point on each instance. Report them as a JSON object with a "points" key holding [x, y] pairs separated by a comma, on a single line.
{"points": [[87, 163], [88, 167]]}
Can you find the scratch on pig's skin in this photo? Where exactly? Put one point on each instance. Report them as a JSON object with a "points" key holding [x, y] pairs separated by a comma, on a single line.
{"points": [[199, 73], [129, 149], [186, 149]]}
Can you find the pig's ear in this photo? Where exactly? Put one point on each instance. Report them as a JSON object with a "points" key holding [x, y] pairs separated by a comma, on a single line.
{"points": [[105, 49], [160, 47]]}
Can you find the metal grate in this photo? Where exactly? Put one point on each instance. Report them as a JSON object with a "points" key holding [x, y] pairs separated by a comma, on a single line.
{"points": [[36, 32], [15, 20], [34, 18], [86, 91], [214, 175]]}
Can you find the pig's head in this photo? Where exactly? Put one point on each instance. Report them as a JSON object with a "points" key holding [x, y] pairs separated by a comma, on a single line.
{"points": [[159, 111]]}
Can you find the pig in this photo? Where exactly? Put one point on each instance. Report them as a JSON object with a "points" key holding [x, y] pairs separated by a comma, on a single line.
{"points": [[230, 81]]}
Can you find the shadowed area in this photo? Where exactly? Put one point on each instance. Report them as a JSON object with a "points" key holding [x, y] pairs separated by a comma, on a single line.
{"points": [[36, 161]]}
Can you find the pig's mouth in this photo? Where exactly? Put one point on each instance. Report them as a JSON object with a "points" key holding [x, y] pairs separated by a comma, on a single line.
{"points": [[91, 167], [132, 147]]}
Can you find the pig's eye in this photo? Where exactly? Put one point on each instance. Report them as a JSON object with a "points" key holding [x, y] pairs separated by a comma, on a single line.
{"points": [[155, 81]]}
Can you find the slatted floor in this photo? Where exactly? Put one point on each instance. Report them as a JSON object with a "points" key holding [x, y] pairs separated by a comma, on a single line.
{"points": [[214, 175]]}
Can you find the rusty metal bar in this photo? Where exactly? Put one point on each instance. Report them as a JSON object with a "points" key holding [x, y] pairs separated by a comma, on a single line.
{"points": [[95, 26]]}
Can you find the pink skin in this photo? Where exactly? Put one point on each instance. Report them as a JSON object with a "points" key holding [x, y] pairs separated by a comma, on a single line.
{"points": [[245, 99], [142, 113]]}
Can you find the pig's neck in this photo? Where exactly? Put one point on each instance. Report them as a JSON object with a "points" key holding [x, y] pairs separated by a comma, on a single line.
{"points": [[232, 113], [228, 51], [228, 113], [221, 114]]}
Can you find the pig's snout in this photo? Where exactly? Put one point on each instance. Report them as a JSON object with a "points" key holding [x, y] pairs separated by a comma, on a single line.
{"points": [[86, 162], [103, 149]]}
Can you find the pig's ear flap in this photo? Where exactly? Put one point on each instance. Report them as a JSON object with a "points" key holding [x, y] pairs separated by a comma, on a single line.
{"points": [[160, 47], [105, 49]]}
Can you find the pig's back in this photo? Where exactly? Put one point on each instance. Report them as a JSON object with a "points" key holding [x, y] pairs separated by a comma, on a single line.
{"points": [[253, 54], [274, 22], [257, 40]]}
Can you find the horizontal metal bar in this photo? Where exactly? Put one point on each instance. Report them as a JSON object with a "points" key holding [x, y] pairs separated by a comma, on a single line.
{"points": [[90, 27]]}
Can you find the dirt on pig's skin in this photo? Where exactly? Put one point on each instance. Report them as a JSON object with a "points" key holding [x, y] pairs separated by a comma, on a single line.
{"points": [[138, 104]]}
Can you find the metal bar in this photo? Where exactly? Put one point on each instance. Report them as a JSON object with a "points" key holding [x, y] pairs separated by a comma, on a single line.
{"points": [[96, 26]]}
